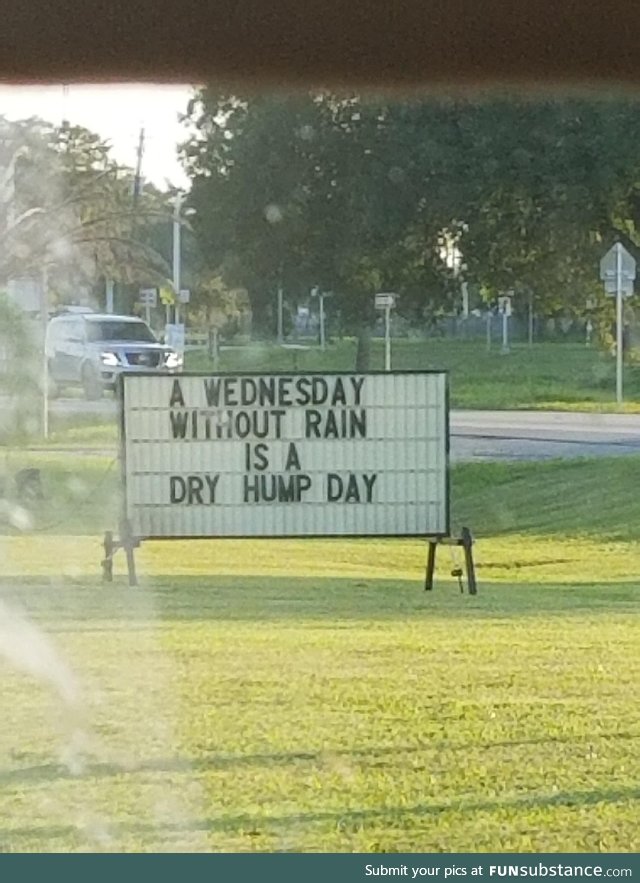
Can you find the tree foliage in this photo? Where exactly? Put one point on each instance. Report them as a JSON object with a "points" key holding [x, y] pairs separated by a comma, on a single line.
{"points": [[67, 207], [358, 195]]}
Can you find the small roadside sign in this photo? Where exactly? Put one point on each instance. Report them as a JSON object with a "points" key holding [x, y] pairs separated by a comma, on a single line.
{"points": [[385, 301], [184, 296], [504, 305], [148, 297], [174, 336], [618, 267], [618, 272]]}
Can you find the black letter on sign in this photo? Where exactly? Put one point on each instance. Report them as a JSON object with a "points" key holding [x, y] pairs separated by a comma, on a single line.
{"points": [[261, 457], [176, 395], [334, 487], [260, 460], [293, 460], [212, 483], [178, 488], [369, 481], [312, 424], [179, 422], [196, 484], [304, 483]]}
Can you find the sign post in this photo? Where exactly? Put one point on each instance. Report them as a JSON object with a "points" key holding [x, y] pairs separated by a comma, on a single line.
{"points": [[184, 296], [618, 272], [504, 306], [148, 298], [317, 292], [386, 301]]}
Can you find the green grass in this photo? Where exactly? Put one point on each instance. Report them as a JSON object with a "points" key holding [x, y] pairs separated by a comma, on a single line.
{"points": [[310, 696], [548, 375]]}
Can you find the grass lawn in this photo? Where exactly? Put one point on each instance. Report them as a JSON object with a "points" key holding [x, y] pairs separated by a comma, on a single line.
{"points": [[548, 375], [309, 696]]}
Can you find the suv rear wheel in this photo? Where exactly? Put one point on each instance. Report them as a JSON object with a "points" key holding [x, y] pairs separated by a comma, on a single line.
{"points": [[91, 383]]}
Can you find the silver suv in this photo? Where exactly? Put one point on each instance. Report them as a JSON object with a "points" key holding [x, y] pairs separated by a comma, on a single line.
{"points": [[92, 350]]}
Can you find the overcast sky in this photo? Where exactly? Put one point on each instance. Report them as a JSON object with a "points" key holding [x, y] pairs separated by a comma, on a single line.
{"points": [[116, 113]]}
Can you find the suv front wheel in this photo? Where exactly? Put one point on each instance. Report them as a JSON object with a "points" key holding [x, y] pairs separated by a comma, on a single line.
{"points": [[91, 383]]}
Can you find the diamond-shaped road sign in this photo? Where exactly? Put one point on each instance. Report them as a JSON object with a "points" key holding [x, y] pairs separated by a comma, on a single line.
{"points": [[618, 256]]}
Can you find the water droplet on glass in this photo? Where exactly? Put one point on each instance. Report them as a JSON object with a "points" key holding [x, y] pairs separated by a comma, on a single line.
{"points": [[273, 213], [396, 175], [20, 518], [306, 133]]}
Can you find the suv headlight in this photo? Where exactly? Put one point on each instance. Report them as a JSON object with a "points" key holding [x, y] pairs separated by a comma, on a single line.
{"points": [[110, 360], [173, 360]]}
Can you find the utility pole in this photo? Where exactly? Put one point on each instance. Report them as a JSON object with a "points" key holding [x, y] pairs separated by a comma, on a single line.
{"points": [[280, 309], [177, 252], [44, 317], [137, 181]]}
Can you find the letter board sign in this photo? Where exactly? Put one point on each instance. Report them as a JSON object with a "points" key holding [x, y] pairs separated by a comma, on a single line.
{"points": [[295, 455]]}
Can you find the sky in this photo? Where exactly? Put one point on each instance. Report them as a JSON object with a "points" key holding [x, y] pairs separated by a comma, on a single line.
{"points": [[116, 113]]}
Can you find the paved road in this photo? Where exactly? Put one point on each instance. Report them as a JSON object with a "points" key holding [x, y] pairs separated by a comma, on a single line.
{"points": [[493, 435], [538, 435]]}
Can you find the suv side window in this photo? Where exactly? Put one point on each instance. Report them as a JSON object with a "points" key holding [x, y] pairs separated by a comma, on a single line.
{"points": [[75, 330], [53, 333], [58, 332]]}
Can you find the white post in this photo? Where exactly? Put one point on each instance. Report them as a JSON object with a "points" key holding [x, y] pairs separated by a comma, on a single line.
{"points": [[147, 311], [177, 206], [489, 321], [280, 314], [216, 350], [44, 309], [465, 300], [505, 332], [619, 340], [109, 295], [387, 339], [322, 340]]}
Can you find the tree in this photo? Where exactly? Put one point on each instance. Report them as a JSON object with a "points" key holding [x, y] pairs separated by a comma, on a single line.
{"points": [[68, 209], [361, 195]]}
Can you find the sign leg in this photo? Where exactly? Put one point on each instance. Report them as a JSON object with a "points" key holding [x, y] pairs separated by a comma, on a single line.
{"points": [[431, 566], [467, 545], [129, 544], [107, 561]]}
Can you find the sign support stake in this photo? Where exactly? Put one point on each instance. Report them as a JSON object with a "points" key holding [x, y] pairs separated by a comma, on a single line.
{"points": [[127, 542], [619, 324], [466, 541], [618, 272]]}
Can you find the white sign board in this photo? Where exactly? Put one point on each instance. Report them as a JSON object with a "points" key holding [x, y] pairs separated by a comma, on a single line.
{"points": [[618, 259], [174, 336], [296, 455], [184, 295], [504, 305], [385, 301], [148, 297]]}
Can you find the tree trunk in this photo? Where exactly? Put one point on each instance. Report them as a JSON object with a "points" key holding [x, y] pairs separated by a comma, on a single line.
{"points": [[363, 352]]}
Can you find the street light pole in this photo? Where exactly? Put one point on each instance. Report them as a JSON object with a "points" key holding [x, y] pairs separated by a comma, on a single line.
{"points": [[44, 317], [322, 339], [317, 292], [177, 207]]}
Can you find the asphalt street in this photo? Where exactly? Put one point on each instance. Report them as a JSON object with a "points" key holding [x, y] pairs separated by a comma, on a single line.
{"points": [[492, 435], [541, 435]]}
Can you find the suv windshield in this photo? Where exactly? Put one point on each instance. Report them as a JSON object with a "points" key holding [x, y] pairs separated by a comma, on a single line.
{"points": [[110, 330]]}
